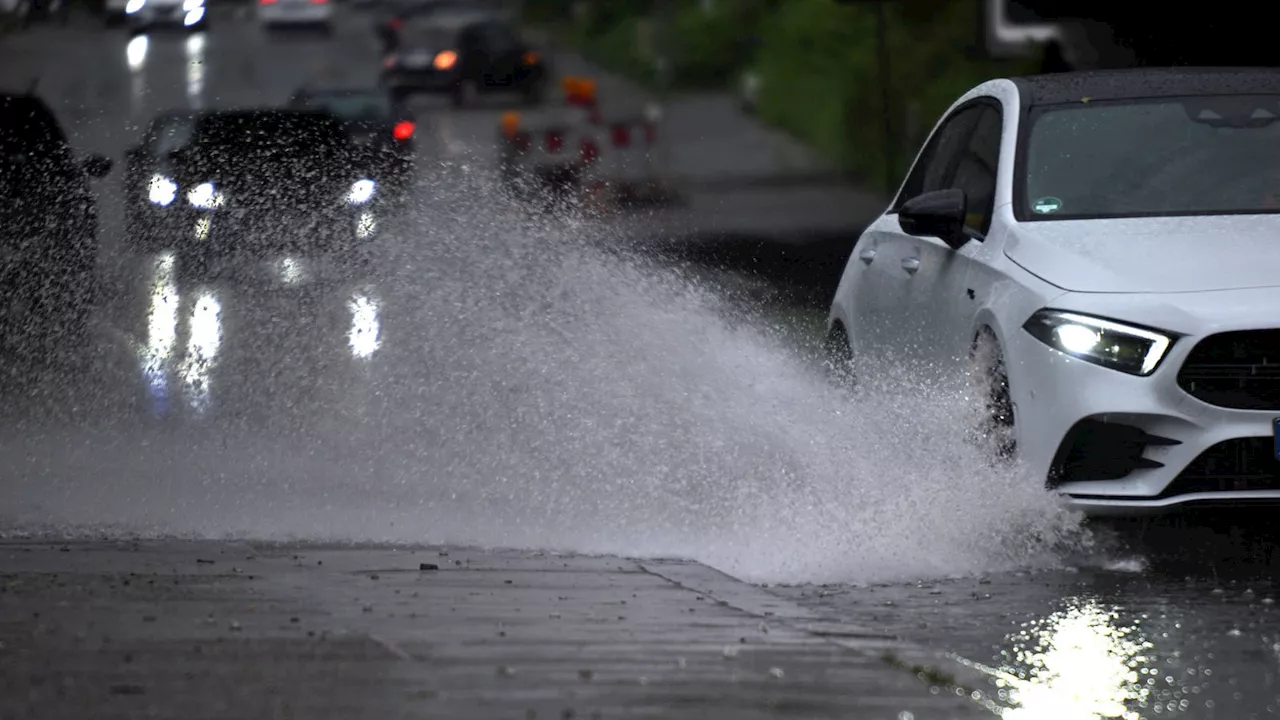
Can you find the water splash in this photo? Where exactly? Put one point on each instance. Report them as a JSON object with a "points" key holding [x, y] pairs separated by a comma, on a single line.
{"points": [[535, 388]]}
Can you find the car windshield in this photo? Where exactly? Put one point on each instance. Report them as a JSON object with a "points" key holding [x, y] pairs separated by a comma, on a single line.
{"points": [[351, 105], [252, 137], [428, 35], [1173, 156], [170, 133]]}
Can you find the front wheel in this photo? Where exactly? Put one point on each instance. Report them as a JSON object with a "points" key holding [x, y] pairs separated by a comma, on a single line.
{"points": [[837, 356], [996, 426]]}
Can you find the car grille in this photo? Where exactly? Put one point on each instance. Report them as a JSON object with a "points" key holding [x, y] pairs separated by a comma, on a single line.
{"points": [[1242, 464], [1238, 370]]}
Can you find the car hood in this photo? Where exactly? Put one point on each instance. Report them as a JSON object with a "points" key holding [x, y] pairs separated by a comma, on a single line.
{"points": [[1151, 255]]}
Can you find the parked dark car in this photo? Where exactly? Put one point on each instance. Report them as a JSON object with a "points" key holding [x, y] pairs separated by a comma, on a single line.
{"points": [[378, 123], [48, 226], [463, 55]]}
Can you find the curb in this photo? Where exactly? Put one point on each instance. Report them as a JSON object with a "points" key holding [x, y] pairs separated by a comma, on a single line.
{"points": [[934, 668]]}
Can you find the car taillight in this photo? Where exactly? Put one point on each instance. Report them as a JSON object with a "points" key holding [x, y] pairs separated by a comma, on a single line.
{"points": [[589, 151], [621, 135], [530, 58], [445, 60], [523, 141], [267, 2], [319, 2], [403, 130], [388, 62], [554, 141]]}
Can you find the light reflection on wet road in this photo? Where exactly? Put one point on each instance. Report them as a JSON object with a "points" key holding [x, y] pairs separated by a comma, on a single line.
{"points": [[1180, 623]]}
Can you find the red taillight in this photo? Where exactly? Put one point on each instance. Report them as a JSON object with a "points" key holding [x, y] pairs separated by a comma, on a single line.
{"points": [[267, 2], [554, 141], [621, 135], [589, 151], [522, 140], [319, 2], [403, 130]]}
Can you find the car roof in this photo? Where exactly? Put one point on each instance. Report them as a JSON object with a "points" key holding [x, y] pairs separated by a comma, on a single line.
{"points": [[1143, 83], [455, 21]]}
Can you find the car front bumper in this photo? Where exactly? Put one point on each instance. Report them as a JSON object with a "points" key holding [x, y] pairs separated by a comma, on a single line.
{"points": [[1119, 444]]}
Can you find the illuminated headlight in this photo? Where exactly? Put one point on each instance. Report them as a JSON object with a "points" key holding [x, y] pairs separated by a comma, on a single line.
{"points": [[1129, 349], [161, 190], [189, 5], [361, 191], [134, 6], [204, 196]]}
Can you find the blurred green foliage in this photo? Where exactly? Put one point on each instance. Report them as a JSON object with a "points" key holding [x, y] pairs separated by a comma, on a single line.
{"points": [[818, 62]]}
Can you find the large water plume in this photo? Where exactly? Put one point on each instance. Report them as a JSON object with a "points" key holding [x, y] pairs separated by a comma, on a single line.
{"points": [[534, 387]]}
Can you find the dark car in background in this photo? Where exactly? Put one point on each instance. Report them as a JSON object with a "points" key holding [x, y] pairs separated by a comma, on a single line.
{"points": [[251, 183], [380, 124], [462, 54], [149, 188], [48, 225]]}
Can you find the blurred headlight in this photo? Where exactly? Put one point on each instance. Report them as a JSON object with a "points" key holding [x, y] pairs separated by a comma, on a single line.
{"points": [[134, 6], [189, 5], [161, 190], [361, 191], [204, 196], [1133, 350]]}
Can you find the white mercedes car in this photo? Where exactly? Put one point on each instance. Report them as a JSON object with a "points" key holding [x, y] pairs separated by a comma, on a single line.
{"points": [[1106, 247]]}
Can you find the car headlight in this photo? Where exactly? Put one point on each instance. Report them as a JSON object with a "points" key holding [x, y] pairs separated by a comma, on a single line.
{"points": [[204, 196], [161, 190], [361, 192], [134, 6], [189, 5], [1129, 349]]}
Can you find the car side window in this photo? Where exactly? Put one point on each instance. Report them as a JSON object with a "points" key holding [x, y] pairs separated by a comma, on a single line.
{"points": [[937, 163], [976, 170]]}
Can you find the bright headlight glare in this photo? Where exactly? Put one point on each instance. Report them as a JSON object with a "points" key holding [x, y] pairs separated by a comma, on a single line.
{"points": [[1129, 349], [189, 5], [204, 196], [361, 191], [134, 6], [161, 190]]}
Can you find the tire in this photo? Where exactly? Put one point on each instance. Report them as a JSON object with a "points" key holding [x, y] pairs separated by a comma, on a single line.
{"points": [[837, 356], [533, 93], [465, 92], [997, 425]]}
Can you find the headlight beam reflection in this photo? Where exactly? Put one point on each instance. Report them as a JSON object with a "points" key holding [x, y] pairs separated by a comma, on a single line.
{"points": [[203, 342], [366, 327], [162, 332]]}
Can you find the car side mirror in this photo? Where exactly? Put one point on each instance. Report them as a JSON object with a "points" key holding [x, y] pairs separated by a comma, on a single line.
{"points": [[939, 213], [97, 166]]}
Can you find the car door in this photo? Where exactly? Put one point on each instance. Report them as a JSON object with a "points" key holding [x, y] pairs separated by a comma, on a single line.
{"points": [[882, 312], [939, 293]]}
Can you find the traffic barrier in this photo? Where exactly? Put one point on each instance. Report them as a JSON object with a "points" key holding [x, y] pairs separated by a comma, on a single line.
{"points": [[614, 160]]}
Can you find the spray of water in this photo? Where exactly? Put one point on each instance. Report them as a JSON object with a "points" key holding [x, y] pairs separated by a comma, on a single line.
{"points": [[527, 386]]}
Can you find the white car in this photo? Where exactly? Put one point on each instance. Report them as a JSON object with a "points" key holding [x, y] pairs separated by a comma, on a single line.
{"points": [[296, 12], [144, 14], [1103, 246]]}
